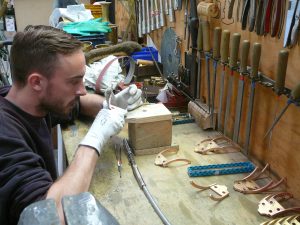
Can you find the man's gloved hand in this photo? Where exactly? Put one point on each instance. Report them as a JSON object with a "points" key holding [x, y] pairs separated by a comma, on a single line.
{"points": [[107, 123], [130, 98]]}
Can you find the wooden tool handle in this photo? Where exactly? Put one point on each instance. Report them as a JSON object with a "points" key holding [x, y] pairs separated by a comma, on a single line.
{"points": [[234, 49], [281, 71], [216, 47], [200, 38], [225, 46], [206, 36], [256, 52], [244, 56], [296, 92]]}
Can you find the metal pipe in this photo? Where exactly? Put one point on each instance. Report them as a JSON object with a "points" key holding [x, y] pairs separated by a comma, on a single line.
{"points": [[138, 176]]}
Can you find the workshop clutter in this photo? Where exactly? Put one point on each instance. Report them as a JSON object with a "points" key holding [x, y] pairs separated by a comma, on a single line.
{"points": [[147, 53]]}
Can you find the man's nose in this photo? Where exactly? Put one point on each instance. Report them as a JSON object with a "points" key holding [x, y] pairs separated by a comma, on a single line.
{"points": [[81, 90]]}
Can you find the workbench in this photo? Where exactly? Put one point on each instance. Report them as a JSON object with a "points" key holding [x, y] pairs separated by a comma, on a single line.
{"points": [[181, 203]]}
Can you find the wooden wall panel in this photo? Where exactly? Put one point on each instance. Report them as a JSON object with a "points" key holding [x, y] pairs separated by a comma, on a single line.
{"points": [[283, 152]]}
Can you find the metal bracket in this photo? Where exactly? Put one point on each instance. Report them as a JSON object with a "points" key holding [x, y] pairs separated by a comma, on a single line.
{"points": [[220, 144], [270, 206], [162, 161], [287, 220], [221, 190], [247, 185]]}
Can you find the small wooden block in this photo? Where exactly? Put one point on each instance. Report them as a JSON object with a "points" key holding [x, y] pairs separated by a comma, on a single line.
{"points": [[202, 118], [149, 126]]}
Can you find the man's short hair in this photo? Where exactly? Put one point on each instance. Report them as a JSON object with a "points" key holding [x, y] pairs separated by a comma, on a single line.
{"points": [[36, 49]]}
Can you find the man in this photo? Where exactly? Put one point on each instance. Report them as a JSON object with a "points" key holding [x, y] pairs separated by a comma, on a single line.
{"points": [[48, 66]]}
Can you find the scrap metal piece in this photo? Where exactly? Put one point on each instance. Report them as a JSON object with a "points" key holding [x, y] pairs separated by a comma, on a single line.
{"points": [[85, 209], [221, 190], [41, 212], [162, 161]]}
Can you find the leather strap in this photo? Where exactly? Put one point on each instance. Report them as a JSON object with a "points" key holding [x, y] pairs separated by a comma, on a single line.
{"points": [[268, 16], [245, 14], [128, 77], [252, 14], [276, 14]]}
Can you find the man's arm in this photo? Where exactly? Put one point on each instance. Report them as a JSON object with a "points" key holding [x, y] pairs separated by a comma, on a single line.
{"points": [[90, 104], [77, 177]]}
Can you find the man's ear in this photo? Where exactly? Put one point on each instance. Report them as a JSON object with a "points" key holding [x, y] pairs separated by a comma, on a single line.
{"points": [[36, 81]]}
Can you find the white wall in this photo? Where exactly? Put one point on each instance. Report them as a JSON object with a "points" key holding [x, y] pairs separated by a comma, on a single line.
{"points": [[32, 12]]}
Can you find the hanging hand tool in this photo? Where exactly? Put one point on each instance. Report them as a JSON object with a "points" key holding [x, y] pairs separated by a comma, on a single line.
{"points": [[171, 12], [185, 19], [277, 15], [190, 59], [144, 14], [152, 14], [224, 60], [200, 49], [280, 80], [149, 16], [260, 17], [256, 52], [234, 51], [252, 15], [161, 14], [156, 14], [239, 8], [139, 18], [166, 7], [179, 6], [230, 9], [267, 21], [295, 99], [239, 100], [290, 21], [245, 12], [206, 48], [216, 57], [249, 9]]}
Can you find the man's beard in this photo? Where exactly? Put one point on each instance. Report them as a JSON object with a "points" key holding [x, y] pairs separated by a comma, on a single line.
{"points": [[57, 107]]}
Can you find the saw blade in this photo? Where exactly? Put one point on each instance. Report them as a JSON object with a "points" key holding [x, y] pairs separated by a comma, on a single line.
{"points": [[170, 53]]}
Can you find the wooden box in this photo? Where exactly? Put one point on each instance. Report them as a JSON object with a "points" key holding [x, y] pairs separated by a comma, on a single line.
{"points": [[149, 127]]}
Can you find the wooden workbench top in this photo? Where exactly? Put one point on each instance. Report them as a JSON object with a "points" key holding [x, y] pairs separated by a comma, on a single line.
{"points": [[181, 203]]}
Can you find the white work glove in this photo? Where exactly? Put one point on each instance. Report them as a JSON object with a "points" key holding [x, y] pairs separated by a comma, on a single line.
{"points": [[107, 123], [130, 98]]}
